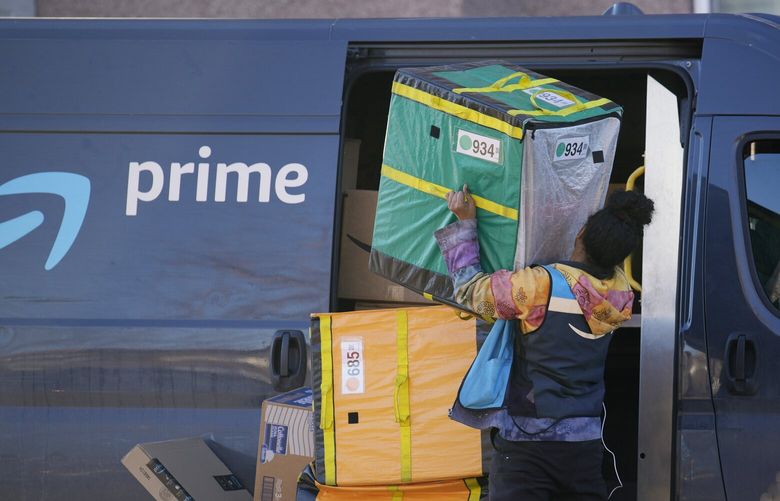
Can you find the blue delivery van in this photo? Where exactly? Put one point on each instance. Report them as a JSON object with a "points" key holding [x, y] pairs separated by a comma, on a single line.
{"points": [[171, 212]]}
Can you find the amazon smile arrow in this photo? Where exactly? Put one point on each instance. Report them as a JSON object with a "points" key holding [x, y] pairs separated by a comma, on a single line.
{"points": [[73, 188]]}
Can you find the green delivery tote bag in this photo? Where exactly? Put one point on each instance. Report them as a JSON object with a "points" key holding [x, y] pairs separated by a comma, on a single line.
{"points": [[536, 153]]}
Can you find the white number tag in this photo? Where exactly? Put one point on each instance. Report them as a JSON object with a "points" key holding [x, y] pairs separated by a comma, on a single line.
{"points": [[572, 148], [478, 146], [352, 367], [554, 99]]}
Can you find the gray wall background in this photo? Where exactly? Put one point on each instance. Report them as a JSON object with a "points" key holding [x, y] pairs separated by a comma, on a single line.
{"points": [[276, 9]]}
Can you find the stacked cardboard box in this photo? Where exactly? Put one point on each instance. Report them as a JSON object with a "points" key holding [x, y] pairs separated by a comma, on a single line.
{"points": [[286, 444], [356, 282]]}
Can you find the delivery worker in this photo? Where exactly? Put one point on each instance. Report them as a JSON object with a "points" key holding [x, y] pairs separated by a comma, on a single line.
{"points": [[547, 436]]}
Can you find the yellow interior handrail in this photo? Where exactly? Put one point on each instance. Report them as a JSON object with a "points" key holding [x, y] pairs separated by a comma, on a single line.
{"points": [[627, 268], [633, 177]]}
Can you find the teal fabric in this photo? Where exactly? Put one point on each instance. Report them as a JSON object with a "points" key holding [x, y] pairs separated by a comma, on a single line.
{"points": [[486, 76], [406, 218]]}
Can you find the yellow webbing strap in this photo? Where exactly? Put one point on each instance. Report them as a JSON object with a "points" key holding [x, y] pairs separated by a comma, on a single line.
{"points": [[326, 387], [401, 394], [466, 316], [503, 85], [427, 296], [463, 315], [441, 192], [457, 110], [627, 262], [475, 490], [396, 492], [559, 113]]}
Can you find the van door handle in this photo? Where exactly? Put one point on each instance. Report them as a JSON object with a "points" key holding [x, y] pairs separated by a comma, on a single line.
{"points": [[741, 364], [284, 355], [288, 360]]}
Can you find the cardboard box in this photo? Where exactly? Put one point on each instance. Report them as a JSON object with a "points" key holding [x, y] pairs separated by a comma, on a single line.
{"points": [[286, 444], [357, 229], [185, 470], [350, 154]]}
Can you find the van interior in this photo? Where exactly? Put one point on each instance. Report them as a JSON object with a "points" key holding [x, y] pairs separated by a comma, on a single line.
{"points": [[364, 120]]}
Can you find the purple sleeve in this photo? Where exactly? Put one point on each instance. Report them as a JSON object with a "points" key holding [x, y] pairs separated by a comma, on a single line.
{"points": [[460, 248]]}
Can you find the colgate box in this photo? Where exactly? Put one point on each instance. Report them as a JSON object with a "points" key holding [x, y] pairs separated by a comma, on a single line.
{"points": [[286, 444]]}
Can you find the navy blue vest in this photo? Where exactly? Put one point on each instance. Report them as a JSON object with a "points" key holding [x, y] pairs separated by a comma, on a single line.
{"points": [[559, 368]]}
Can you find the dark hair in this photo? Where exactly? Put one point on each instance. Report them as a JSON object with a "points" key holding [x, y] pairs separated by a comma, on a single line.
{"points": [[615, 231]]}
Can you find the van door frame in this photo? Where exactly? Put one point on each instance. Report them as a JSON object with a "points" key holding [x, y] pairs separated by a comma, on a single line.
{"points": [[656, 459]]}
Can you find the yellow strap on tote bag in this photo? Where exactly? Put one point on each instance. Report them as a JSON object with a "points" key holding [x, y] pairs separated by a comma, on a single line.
{"points": [[403, 411], [503, 85]]}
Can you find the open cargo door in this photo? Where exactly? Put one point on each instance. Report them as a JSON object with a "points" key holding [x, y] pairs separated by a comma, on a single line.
{"points": [[663, 184]]}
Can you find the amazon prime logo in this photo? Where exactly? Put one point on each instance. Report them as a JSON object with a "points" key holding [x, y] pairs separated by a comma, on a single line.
{"points": [[73, 188]]}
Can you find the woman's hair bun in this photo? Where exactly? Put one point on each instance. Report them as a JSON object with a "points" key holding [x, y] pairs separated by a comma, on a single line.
{"points": [[632, 207], [613, 232]]}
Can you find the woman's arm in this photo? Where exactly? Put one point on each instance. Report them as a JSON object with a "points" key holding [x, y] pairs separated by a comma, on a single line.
{"points": [[521, 295]]}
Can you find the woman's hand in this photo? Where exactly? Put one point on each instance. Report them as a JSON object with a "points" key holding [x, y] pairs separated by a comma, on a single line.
{"points": [[461, 203]]}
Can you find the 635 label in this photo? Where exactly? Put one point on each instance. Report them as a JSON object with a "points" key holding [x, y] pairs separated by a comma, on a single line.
{"points": [[478, 146], [352, 367], [572, 148]]}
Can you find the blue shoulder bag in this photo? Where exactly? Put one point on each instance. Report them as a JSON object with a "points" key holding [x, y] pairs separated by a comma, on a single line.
{"points": [[486, 382]]}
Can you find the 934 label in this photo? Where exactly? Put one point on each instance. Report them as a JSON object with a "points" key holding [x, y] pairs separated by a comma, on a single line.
{"points": [[352, 367], [478, 146], [554, 99], [572, 148]]}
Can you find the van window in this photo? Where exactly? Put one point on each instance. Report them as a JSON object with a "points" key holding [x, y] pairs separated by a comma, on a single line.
{"points": [[762, 180]]}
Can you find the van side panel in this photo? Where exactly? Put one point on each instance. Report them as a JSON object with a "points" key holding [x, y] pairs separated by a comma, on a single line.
{"points": [[739, 68], [698, 472], [742, 322], [153, 326], [169, 235], [182, 75], [167, 205]]}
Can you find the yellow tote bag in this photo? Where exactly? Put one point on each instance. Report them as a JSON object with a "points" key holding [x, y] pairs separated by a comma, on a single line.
{"points": [[384, 382]]}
